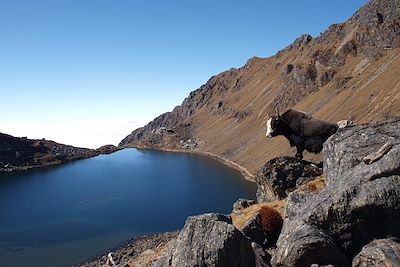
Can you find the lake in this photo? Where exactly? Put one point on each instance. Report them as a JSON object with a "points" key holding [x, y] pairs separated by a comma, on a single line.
{"points": [[64, 215]]}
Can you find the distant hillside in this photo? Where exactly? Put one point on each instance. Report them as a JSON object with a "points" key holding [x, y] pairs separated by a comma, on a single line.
{"points": [[18, 154], [351, 71]]}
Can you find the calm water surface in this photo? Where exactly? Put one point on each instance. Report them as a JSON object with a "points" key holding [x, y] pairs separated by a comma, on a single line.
{"points": [[64, 215]]}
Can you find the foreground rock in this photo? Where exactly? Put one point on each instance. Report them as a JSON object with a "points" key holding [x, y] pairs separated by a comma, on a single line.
{"points": [[347, 149], [141, 251], [379, 253], [209, 240], [264, 227], [241, 204], [360, 203], [281, 175]]}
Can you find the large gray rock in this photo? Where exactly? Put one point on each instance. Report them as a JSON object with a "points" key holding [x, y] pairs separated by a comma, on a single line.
{"points": [[350, 145], [304, 245], [262, 258], [209, 240], [358, 205], [253, 230], [263, 227], [282, 175], [379, 253], [242, 204]]}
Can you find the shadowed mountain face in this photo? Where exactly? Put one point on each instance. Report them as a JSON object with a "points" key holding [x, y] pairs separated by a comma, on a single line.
{"points": [[351, 71]]}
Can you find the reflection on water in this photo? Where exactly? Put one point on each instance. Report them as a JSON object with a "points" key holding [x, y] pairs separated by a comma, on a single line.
{"points": [[56, 233], [65, 215]]}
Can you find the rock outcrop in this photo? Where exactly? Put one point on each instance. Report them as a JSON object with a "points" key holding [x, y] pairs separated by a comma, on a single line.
{"points": [[348, 148], [139, 251], [263, 227], [241, 204], [18, 154], [360, 203], [379, 24], [254, 231], [108, 149], [379, 253], [209, 240], [282, 175]]}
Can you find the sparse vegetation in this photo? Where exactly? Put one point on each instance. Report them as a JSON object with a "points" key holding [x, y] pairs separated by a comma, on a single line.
{"points": [[271, 222]]}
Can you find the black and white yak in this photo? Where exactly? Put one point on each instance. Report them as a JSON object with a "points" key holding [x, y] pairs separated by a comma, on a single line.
{"points": [[302, 130]]}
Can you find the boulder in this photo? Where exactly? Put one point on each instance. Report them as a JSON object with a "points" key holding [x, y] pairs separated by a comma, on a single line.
{"points": [[378, 24], [301, 42], [263, 226], [379, 253], [241, 204], [253, 230], [209, 240], [350, 145], [281, 175], [360, 203], [305, 245], [262, 258], [299, 197]]}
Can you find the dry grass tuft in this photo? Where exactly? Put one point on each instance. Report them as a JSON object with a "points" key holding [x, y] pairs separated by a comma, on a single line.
{"points": [[313, 186], [239, 220], [271, 222]]}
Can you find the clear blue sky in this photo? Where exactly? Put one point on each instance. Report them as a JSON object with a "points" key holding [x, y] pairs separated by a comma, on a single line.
{"points": [[70, 69]]}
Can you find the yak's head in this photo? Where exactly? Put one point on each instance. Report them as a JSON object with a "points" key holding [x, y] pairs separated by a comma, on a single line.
{"points": [[274, 126]]}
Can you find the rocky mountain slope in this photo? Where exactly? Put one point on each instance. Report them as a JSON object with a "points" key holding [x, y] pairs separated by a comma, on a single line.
{"points": [[351, 71], [18, 154]]}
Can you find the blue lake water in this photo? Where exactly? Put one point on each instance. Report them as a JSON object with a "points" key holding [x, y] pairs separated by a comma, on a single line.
{"points": [[64, 215]]}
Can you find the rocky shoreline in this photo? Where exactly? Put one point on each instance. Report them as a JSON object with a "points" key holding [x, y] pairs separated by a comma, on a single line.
{"points": [[245, 173], [21, 154], [138, 251]]}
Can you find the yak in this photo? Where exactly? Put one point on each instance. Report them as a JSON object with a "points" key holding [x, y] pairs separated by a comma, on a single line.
{"points": [[302, 130]]}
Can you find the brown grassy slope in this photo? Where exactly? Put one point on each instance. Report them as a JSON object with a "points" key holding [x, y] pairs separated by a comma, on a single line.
{"points": [[350, 72], [371, 95]]}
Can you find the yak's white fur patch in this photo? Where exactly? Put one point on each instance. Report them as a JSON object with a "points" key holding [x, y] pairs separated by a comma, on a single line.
{"points": [[269, 128]]}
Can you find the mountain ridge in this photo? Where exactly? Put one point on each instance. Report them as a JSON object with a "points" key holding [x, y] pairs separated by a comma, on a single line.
{"points": [[351, 71]]}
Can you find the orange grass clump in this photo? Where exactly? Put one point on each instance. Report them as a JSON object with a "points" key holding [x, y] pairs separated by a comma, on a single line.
{"points": [[312, 188], [271, 223]]}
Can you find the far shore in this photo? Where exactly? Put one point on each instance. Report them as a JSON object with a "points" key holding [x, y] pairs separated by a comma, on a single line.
{"points": [[245, 173], [20, 169]]}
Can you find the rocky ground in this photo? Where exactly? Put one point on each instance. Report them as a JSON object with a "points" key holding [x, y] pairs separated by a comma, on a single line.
{"points": [[137, 252], [19, 154], [346, 213]]}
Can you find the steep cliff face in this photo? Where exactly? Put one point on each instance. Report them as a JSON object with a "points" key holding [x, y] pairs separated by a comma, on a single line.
{"points": [[349, 72]]}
